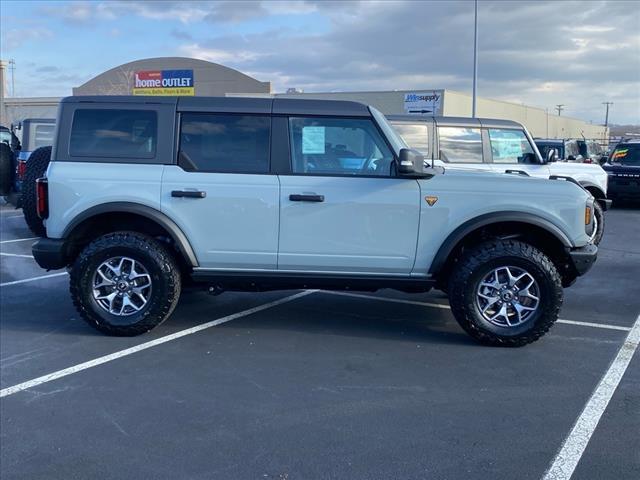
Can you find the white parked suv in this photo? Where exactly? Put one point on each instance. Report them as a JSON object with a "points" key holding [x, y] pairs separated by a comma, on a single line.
{"points": [[145, 195], [500, 146]]}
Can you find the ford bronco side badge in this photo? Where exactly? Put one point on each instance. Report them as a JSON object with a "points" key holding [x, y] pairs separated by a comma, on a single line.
{"points": [[431, 200]]}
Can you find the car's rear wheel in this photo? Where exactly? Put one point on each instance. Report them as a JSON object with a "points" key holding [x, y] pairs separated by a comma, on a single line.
{"points": [[125, 283], [505, 293]]}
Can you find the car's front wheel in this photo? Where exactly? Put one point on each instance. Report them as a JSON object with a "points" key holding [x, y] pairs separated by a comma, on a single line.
{"points": [[505, 293], [125, 283]]}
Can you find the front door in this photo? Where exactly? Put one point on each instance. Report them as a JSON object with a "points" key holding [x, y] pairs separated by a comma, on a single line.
{"points": [[220, 193], [340, 209], [511, 150]]}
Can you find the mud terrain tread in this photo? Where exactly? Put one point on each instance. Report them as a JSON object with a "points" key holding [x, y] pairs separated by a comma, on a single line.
{"points": [[36, 167]]}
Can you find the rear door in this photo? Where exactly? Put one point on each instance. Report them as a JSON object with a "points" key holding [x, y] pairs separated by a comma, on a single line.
{"points": [[341, 210], [221, 193], [459, 144]]}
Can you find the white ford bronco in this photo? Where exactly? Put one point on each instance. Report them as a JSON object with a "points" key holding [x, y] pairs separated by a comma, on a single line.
{"points": [[500, 146], [145, 195]]}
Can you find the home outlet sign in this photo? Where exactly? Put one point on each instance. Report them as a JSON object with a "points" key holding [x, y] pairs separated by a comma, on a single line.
{"points": [[163, 82]]}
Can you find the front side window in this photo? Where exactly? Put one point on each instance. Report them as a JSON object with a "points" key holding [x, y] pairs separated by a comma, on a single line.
{"points": [[225, 143], [460, 144], [114, 133], [510, 146], [416, 135], [338, 146]]}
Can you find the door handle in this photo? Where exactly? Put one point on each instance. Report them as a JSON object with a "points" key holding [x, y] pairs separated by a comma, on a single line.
{"points": [[296, 197], [188, 193]]}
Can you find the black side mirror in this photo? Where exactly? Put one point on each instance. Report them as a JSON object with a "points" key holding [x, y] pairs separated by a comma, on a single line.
{"points": [[603, 159], [552, 155], [410, 162]]}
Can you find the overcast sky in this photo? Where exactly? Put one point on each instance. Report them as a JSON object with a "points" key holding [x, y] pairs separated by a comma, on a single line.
{"points": [[538, 53]]}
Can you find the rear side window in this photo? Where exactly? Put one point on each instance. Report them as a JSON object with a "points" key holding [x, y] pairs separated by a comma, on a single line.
{"points": [[510, 146], [416, 135], [225, 143], [114, 133], [460, 144], [44, 135]]}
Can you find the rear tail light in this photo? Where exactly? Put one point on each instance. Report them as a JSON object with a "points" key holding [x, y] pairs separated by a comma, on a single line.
{"points": [[42, 197], [21, 169]]}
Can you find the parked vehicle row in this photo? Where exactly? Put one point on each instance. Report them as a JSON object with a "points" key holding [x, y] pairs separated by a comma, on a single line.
{"points": [[146, 195], [499, 146]]}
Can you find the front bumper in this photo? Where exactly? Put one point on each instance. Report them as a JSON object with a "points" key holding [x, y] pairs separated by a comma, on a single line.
{"points": [[50, 253], [583, 258]]}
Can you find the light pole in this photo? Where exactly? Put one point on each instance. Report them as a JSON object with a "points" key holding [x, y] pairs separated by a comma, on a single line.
{"points": [[559, 108], [475, 59], [606, 117]]}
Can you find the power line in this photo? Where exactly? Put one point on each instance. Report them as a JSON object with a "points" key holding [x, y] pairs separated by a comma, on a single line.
{"points": [[559, 108]]}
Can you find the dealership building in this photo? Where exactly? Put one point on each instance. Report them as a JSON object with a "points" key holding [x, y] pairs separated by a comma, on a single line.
{"points": [[188, 76]]}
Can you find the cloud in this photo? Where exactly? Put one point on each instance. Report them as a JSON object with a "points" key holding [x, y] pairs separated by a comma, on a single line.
{"points": [[14, 38]]}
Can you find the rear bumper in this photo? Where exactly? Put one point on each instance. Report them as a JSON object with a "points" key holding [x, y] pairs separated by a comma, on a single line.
{"points": [[583, 258], [50, 253]]}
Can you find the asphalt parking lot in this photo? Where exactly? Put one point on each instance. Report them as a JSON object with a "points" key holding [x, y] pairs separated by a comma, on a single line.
{"points": [[314, 385]]}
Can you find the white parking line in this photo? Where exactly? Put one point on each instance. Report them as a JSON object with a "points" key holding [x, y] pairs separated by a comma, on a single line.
{"points": [[447, 307], [32, 279], [19, 240], [143, 346], [575, 444], [4, 254]]}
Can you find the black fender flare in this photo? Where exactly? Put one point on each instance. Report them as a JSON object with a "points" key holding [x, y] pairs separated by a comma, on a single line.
{"points": [[487, 219], [177, 235]]}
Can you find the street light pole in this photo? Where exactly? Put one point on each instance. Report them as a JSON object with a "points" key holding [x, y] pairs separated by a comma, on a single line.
{"points": [[475, 59], [606, 118], [559, 108]]}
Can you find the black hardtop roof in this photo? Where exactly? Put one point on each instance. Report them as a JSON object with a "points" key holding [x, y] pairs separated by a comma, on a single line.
{"points": [[288, 106]]}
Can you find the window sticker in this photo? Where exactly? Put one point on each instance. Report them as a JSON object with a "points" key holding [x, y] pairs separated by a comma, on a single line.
{"points": [[313, 140]]}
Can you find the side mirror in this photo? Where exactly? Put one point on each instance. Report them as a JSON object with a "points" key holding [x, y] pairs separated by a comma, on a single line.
{"points": [[552, 155], [410, 162], [603, 159]]}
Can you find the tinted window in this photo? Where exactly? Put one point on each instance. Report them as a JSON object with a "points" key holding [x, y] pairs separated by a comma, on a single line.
{"points": [[416, 135], [460, 145], [5, 136], [511, 146], [545, 147], [225, 143], [628, 154], [114, 133], [342, 146], [43, 135]]}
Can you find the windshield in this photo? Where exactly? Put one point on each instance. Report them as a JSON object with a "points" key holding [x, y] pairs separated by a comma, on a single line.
{"points": [[396, 140], [628, 154]]}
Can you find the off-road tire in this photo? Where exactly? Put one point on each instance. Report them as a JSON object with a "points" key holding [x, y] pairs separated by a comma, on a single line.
{"points": [[478, 262], [161, 266], [36, 167], [6, 169], [598, 213]]}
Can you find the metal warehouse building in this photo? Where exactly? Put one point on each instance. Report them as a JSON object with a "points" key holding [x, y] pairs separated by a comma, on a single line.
{"points": [[188, 76]]}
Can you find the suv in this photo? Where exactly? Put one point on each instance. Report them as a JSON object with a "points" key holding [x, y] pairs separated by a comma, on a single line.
{"points": [[566, 150], [623, 168], [500, 146], [143, 195]]}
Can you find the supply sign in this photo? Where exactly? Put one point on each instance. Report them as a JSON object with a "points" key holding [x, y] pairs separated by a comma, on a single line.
{"points": [[163, 82], [423, 103]]}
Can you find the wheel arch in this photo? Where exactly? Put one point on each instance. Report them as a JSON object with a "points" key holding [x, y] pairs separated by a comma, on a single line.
{"points": [[115, 216], [540, 232], [593, 189]]}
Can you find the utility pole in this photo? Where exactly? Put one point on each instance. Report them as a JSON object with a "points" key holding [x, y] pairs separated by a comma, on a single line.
{"points": [[606, 117], [12, 67], [559, 108], [475, 59]]}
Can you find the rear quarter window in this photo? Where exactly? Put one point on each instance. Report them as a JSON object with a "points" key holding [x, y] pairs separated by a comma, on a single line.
{"points": [[114, 133]]}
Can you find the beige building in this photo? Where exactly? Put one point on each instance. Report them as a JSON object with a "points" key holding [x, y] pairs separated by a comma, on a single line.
{"points": [[188, 76]]}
